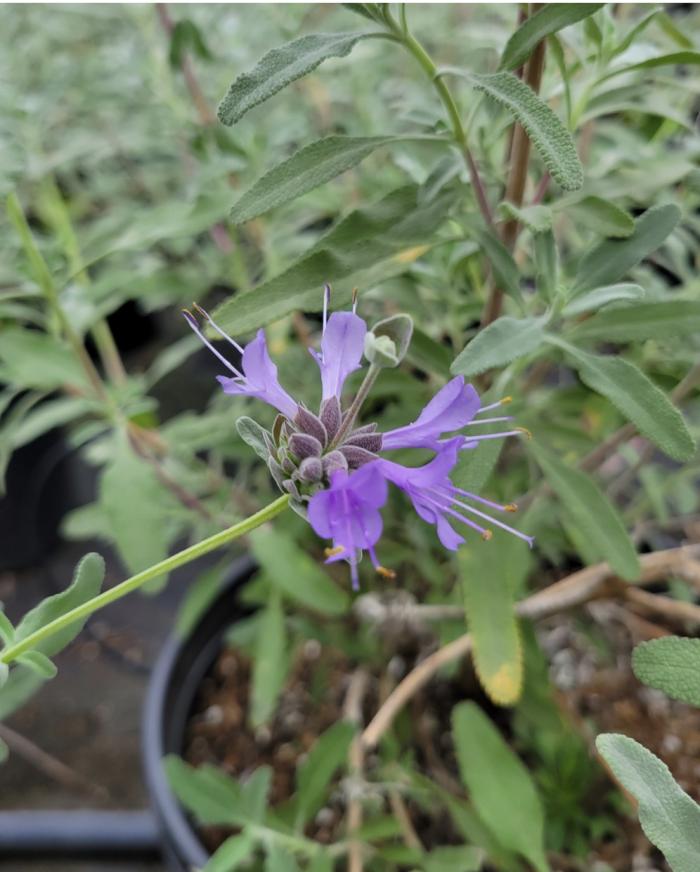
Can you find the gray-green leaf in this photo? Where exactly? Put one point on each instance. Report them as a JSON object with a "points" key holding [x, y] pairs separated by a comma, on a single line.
{"points": [[253, 435], [652, 320], [504, 267], [550, 19], [271, 662], [638, 398], [669, 817], [597, 298], [499, 784], [85, 585], [232, 853], [500, 343], [671, 664], [328, 754], [612, 259], [591, 512], [281, 66], [603, 216], [308, 168], [549, 136]]}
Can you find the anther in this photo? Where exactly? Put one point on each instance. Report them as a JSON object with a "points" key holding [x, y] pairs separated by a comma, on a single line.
{"points": [[506, 400], [525, 432], [201, 311], [511, 507], [355, 293], [189, 316], [487, 535], [334, 552], [386, 573]]}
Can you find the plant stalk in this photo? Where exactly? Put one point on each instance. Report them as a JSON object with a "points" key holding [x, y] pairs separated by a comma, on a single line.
{"points": [[187, 555]]}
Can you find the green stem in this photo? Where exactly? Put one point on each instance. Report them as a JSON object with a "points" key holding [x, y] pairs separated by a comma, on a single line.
{"points": [[428, 66], [84, 610], [356, 405]]}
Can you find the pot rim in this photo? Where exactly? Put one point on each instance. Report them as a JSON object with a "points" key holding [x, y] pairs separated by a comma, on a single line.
{"points": [[175, 678]]}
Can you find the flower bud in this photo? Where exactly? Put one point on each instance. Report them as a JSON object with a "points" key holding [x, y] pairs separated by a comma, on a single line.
{"points": [[387, 342]]}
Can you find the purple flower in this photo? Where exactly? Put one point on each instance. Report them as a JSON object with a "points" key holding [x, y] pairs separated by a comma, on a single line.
{"points": [[436, 499], [342, 346], [259, 376], [332, 468], [348, 513]]}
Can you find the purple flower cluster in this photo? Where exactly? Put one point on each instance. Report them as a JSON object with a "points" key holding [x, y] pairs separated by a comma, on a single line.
{"points": [[334, 471]]}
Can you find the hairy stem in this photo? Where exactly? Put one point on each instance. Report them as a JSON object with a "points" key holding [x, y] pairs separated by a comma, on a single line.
{"points": [[352, 413], [183, 557]]}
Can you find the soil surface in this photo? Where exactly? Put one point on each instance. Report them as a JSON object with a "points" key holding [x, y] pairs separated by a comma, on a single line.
{"points": [[596, 689]]}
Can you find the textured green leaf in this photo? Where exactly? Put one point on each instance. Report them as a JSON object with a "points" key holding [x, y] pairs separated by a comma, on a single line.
{"points": [[546, 264], [231, 854], [687, 58], [36, 360], [638, 398], [599, 297], [39, 663], [453, 858], [49, 414], [308, 168], [601, 215], [211, 795], [669, 817], [499, 784], [592, 513], [253, 435], [491, 574], [504, 267], [549, 136], [281, 66], [133, 502], [279, 859], [550, 19], [537, 219], [671, 664], [297, 575], [86, 584], [662, 320], [612, 259], [327, 755], [500, 343], [7, 631], [21, 684], [389, 235], [271, 662]]}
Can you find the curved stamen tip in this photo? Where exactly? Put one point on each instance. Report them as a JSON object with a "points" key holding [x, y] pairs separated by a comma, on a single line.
{"points": [[511, 507], [189, 317], [334, 552], [525, 432], [355, 293], [385, 573], [200, 311], [487, 535]]}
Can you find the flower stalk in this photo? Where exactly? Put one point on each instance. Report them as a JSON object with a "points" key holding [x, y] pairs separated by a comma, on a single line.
{"points": [[187, 555]]}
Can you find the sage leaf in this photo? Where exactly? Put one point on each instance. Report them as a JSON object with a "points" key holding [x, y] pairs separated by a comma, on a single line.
{"points": [[599, 297], [281, 66], [271, 662], [327, 755], [499, 785], [212, 796], [295, 574], [550, 19], [652, 320], [37, 360], [308, 168], [671, 664], [603, 216], [254, 435], [86, 584], [687, 58], [613, 258], [504, 267], [592, 513], [637, 397], [668, 816], [368, 245], [547, 133], [231, 853], [39, 663], [500, 343], [491, 575]]}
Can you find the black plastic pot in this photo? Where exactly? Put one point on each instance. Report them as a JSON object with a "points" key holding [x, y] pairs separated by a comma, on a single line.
{"points": [[176, 677]]}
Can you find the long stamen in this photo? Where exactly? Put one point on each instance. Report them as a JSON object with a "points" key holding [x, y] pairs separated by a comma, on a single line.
{"points": [[502, 402], [326, 303], [490, 420], [216, 327], [476, 498], [518, 432], [192, 321], [495, 521], [445, 507]]}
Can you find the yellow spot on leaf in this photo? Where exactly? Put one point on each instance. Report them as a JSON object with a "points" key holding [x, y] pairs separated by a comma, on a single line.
{"points": [[408, 255]]}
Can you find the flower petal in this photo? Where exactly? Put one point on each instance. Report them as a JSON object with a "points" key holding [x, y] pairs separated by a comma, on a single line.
{"points": [[342, 347], [261, 377], [452, 408]]}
